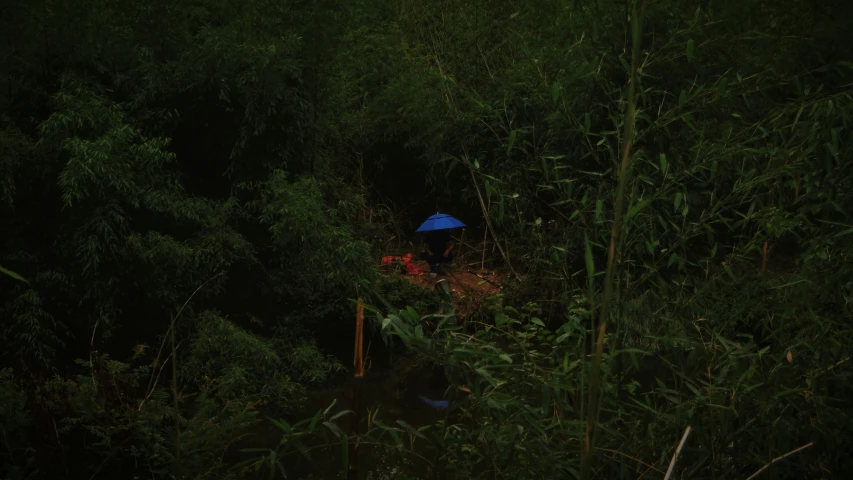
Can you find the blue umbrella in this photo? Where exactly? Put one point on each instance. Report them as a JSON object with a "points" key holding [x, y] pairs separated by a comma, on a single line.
{"points": [[439, 221]]}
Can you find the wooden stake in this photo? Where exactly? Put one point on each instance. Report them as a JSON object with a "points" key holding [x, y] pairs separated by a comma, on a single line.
{"points": [[358, 364]]}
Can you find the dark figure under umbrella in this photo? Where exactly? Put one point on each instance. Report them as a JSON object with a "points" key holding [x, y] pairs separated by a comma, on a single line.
{"points": [[439, 249]]}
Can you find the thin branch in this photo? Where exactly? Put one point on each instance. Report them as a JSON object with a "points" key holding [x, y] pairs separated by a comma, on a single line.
{"points": [[150, 392], [152, 382], [677, 452], [780, 458], [489, 226], [650, 467], [91, 351]]}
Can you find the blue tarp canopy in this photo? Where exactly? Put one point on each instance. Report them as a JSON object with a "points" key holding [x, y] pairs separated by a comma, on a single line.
{"points": [[439, 221]]}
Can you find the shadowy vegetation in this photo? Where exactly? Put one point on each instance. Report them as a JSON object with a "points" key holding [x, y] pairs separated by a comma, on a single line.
{"points": [[194, 195]]}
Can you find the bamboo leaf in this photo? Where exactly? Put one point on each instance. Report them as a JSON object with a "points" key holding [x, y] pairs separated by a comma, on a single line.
{"points": [[13, 275], [637, 208], [326, 411], [511, 141], [832, 150], [590, 266], [339, 415], [281, 424], [334, 429], [412, 429]]}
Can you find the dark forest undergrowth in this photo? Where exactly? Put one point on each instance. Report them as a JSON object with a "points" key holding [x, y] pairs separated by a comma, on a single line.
{"points": [[194, 196]]}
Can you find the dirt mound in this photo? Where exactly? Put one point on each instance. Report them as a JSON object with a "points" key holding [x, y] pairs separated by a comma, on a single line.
{"points": [[469, 287]]}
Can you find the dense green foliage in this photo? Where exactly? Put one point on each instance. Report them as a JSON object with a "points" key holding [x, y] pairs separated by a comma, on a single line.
{"points": [[208, 186]]}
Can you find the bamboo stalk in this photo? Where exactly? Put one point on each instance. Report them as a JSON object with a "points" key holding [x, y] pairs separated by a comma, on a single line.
{"points": [[489, 226], [779, 458], [677, 452], [604, 312]]}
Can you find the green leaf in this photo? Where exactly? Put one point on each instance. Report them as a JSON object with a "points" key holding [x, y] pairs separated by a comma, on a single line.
{"points": [[281, 424], [637, 208], [663, 164], [314, 422], [590, 266], [672, 259], [304, 451], [344, 453], [511, 142], [335, 429], [339, 415], [485, 374], [536, 321], [832, 150], [412, 429], [729, 271], [505, 358], [453, 164], [13, 275], [326, 411], [691, 46], [555, 92], [677, 202]]}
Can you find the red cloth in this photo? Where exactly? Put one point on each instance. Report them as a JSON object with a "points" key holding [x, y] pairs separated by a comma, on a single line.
{"points": [[391, 259], [412, 269]]}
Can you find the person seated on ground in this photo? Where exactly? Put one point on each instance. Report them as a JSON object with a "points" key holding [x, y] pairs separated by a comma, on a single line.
{"points": [[438, 249]]}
